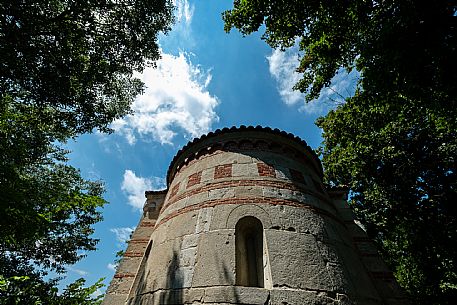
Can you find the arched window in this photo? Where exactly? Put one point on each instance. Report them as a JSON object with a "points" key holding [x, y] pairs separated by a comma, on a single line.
{"points": [[249, 252]]}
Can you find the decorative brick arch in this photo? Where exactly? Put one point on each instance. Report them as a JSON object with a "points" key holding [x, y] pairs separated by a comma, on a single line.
{"points": [[253, 210]]}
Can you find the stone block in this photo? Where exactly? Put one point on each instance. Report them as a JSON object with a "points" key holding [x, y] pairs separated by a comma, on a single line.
{"points": [[220, 215], [142, 233], [248, 191], [159, 236], [245, 170], [230, 158], [301, 220], [207, 175], [197, 198], [187, 257], [114, 299], [120, 285], [176, 206], [297, 266], [236, 295], [162, 266], [178, 230], [360, 283], [189, 241], [129, 265], [221, 193], [181, 277], [300, 297], [215, 265], [328, 252], [204, 220]]}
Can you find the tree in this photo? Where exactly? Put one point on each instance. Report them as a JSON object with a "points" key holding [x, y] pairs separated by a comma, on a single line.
{"points": [[394, 142], [27, 290], [66, 69]]}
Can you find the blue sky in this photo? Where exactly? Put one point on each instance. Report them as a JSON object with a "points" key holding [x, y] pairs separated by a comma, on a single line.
{"points": [[206, 79]]}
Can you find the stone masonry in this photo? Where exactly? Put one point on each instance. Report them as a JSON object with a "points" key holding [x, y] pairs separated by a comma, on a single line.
{"points": [[246, 220]]}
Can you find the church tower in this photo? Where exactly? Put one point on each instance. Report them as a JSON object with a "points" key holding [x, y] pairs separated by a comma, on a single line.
{"points": [[246, 220]]}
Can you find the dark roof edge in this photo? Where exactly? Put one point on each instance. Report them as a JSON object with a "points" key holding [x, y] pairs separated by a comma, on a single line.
{"points": [[161, 192], [227, 130]]}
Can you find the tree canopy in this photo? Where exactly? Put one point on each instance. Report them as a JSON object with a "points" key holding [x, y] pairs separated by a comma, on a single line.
{"points": [[66, 69], [394, 141]]}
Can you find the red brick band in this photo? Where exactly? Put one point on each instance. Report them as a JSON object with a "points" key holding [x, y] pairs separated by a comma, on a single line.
{"points": [[122, 275], [133, 254], [147, 224], [266, 170], [138, 241], [223, 171], [236, 183], [174, 190], [239, 147], [247, 200], [194, 179]]}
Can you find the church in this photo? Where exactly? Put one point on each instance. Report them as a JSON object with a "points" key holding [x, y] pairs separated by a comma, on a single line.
{"points": [[246, 219]]}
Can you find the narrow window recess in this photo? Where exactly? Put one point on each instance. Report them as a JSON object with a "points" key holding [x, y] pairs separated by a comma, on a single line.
{"points": [[249, 252]]}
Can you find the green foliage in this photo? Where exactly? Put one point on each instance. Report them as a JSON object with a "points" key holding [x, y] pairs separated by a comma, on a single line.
{"points": [[398, 159], [73, 60], [66, 69], [394, 142], [409, 43], [27, 290]]}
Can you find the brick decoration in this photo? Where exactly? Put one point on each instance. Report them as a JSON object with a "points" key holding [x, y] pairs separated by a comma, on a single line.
{"points": [[248, 200], [134, 254], [139, 241], [223, 171], [297, 176], [175, 189], [147, 224], [266, 170], [236, 183], [123, 275], [194, 179]]}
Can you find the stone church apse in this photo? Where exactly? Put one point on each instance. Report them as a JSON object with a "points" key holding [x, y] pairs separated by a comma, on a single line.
{"points": [[246, 219]]}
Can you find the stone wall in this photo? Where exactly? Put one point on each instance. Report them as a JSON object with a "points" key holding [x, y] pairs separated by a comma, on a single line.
{"points": [[313, 252]]}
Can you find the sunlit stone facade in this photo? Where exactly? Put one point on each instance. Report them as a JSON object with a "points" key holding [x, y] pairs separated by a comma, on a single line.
{"points": [[246, 219]]}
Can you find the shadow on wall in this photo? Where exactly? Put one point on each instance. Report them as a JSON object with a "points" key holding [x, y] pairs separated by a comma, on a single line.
{"points": [[227, 274], [175, 282], [173, 290]]}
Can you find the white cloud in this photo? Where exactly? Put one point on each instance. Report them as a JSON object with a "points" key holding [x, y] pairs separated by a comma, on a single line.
{"points": [[77, 271], [176, 99], [282, 65], [184, 11], [122, 234], [134, 187], [112, 267], [181, 35], [97, 293]]}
